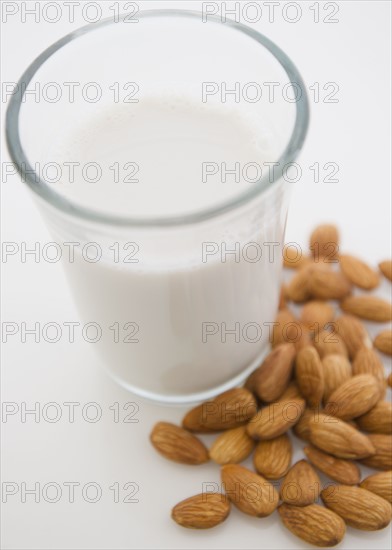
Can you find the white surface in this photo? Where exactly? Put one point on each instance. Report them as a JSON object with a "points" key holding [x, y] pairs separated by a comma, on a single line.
{"points": [[353, 133]]}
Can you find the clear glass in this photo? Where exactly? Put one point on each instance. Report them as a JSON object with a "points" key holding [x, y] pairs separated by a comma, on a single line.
{"points": [[184, 300]]}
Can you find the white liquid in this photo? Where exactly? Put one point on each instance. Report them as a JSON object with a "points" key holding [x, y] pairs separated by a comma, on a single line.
{"points": [[163, 146], [170, 294]]}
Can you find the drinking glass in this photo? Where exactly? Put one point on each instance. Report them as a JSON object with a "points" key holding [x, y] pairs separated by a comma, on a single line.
{"points": [[182, 304]]}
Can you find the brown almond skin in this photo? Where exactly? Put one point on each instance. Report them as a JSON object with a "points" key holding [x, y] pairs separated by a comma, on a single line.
{"points": [[354, 397], [309, 375], [389, 380], [324, 242], [382, 458], [383, 342], [316, 314], [337, 369], [304, 337], [378, 419], [353, 333], [302, 427], [297, 289], [386, 268], [301, 485], [379, 484], [178, 444], [232, 446], [368, 307], [272, 458], [367, 361], [294, 257], [285, 328], [338, 469], [270, 380], [358, 507], [336, 437], [314, 524], [328, 285], [230, 409], [358, 272], [201, 511], [291, 392], [248, 491], [275, 419], [328, 343]]}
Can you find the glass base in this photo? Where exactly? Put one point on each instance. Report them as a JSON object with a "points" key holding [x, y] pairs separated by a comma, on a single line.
{"points": [[193, 398]]}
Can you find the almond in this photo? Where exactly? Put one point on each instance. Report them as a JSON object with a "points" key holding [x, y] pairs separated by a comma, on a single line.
{"points": [[270, 380], [177, 444], [383, 342], [337, 369], [338, 438], [378, 419], [291, 392], [358, 507], [338, 469], [249, 492], [302, 427], [285, 328], [354, 397], [382, 458], [272, 458], [386, 268], [201, 511], [232, 446], [327, 343], [304, 337], [293, 257], [328, 285], [389, 380], [228, 410], [353, 333], [275, 419], [368, 307], [316, 314], [309, 375], [297, 289], [324, 242], [301, 485], [367, 361], [358, 272], [379, 484], [314, 524]]}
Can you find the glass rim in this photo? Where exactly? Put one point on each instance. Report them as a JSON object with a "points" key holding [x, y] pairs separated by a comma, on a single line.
{"points": [[70, 208]]}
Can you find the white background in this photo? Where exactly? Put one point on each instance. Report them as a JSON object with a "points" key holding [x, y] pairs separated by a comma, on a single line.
{"points": [[355, 133]]}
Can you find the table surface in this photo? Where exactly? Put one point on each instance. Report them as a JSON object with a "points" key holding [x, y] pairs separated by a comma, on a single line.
{"points": [[112, 457]]}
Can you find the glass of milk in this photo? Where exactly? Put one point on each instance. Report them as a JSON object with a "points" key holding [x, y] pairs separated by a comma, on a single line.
{"points": [[158, 152]]}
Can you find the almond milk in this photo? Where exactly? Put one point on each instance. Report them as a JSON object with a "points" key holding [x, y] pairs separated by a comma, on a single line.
{"points": [[191, 305]]}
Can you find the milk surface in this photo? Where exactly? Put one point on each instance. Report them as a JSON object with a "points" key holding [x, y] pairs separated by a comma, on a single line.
{"points": [[151, 156], [169, 302]]}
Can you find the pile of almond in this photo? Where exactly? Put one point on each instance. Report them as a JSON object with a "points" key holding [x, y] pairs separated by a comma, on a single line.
{"points": [[325, 381]]}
